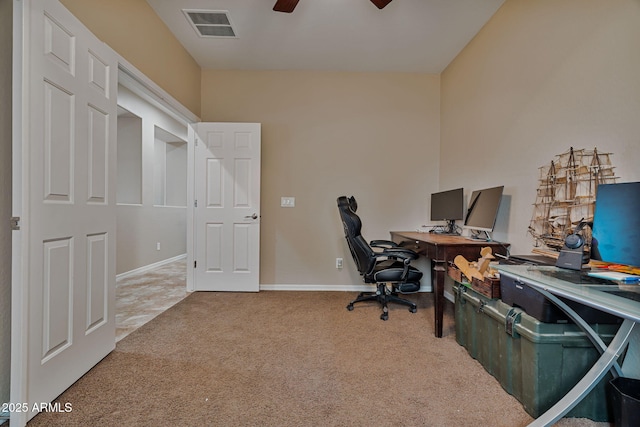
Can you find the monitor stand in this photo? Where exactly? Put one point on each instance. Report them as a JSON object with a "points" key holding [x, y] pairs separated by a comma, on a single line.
{"points": [[477, 236], [450, 228]]}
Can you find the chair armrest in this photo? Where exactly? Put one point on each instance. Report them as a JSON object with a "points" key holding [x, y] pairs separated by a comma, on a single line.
{"points": [[407, 255], [403, 254], [383, 244]]}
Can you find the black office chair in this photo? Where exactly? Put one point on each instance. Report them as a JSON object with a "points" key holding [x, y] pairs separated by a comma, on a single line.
{"points": [[388, 264]]}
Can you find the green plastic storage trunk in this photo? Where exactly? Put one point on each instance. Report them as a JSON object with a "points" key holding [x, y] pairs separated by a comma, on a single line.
{"points": [[536, 362]]}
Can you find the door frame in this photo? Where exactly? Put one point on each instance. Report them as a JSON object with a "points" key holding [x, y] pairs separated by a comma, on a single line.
{"points": [[19, 209], [128, 76]]}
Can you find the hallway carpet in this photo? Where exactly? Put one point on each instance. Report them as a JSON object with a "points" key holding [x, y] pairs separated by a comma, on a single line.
{"points": [[289, 359]]}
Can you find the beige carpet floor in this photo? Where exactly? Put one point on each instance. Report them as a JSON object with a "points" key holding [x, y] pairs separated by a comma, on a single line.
{"points": [[289, 359]]}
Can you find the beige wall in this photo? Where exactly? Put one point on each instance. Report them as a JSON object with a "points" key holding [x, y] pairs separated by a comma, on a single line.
{"points": [[133, 29], [374, 136], [540, 77], [5, 196]]}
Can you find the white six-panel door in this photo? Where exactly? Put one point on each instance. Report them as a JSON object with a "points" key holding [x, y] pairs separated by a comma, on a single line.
{"points": [[69, 188], [227, 207]]}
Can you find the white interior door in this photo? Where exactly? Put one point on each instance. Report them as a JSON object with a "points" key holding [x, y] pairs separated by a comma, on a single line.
{"points": [[69, 218], [227, 206]]}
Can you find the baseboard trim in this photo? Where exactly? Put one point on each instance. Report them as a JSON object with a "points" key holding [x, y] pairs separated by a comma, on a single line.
{"points": [[316, 288], [325, 288], [149, 267], [282, 287]]}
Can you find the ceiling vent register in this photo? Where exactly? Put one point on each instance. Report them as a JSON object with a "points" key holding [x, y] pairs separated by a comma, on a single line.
{"points": [[210, 23]]}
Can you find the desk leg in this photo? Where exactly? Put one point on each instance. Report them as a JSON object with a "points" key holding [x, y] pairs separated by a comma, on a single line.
{"points": [[586, 384], [631, 364], [437, 281]]}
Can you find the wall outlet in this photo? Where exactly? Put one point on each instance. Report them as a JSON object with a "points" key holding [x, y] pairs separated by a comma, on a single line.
{"points": [[287, 202], [158, 246], [338, 263]]}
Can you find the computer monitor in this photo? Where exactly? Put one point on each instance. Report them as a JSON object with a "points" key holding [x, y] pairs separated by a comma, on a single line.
{"points": [[616, 224], [483, 209], [447, 206]]}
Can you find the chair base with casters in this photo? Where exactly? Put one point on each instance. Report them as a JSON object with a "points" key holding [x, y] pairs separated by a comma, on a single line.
{"points": [[384, 295]]}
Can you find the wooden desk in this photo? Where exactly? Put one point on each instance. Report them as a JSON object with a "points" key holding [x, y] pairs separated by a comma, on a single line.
{"points": [[441, 249]]}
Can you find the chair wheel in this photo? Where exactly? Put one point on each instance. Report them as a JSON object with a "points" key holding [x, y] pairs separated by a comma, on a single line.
{"points": [[350, 307], [413, 309], [384, 316]]}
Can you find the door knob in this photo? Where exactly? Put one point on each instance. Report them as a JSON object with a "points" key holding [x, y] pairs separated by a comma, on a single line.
{"points": [[254, 216]]}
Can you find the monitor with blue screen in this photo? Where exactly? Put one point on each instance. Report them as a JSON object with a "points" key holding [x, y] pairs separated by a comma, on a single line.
{"points": [[616, 224]]}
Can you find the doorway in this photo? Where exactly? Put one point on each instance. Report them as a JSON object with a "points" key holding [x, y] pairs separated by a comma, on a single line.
{"points": [[151, 224]]}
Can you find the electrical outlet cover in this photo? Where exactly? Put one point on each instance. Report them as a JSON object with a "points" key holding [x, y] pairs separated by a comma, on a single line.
{"points": [[287, 202]]}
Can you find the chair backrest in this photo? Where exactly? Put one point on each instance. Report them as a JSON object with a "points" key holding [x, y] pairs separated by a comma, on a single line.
{"points": [[361, 252], [351, 222], [349, 226]]}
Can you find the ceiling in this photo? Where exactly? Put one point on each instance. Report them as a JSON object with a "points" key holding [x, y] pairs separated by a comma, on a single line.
{"points": [[332, 35]]}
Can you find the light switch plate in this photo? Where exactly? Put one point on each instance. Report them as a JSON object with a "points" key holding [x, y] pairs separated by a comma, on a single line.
{"points": [[287, 202]]}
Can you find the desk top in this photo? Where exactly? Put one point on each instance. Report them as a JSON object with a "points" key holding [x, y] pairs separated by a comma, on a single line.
{"points": [[599, 296], [444, 239]]}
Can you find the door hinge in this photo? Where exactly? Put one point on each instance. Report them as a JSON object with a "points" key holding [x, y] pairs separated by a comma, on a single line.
{"points": [[195, 264], [15, 222], [196, 142], [195, 203]]}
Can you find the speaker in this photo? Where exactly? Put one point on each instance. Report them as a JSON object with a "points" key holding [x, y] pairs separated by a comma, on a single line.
{"points": [[572, 254]]}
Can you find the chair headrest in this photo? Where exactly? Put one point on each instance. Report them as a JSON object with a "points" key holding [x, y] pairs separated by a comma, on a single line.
{"points": [[350, 202], [350, 221], [343, 201], [353, 204]]}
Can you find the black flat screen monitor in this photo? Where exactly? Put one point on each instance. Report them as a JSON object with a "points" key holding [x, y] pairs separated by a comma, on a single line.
{"points": [[447, 205], [616, 224], [483, 209]]}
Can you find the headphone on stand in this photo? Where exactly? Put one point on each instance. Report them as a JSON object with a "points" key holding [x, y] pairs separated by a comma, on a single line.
{"points": [[576, 240], [572, 255]]}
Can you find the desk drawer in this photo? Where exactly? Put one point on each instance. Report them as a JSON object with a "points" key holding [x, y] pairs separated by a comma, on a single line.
{"points": [[415, 245]]}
